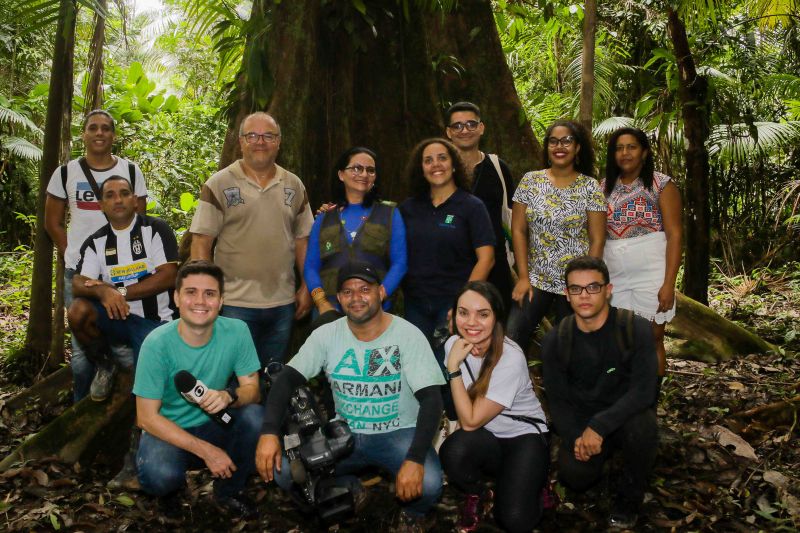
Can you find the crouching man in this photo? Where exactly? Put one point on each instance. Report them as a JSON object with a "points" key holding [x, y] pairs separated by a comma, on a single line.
{"points": [[386, 385], [214, 423], [600, 375]]}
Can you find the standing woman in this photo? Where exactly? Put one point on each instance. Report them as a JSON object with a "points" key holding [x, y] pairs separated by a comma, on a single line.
{"points": [[558, 214], [503, 436], [643, 250], [358, 227], [448, 233]]}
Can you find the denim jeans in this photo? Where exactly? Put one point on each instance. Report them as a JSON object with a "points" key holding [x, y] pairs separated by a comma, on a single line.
{"points": [[130, 331], [82, 368], [428, 314], [385, 451], [270, 329], [162, 467]]}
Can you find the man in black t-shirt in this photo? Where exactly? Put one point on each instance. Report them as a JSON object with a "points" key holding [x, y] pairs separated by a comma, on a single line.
{"points": [[600, 375], [485, 171]]}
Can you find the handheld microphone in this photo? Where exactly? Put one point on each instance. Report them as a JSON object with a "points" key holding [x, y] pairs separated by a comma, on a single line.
{"points": [[193, 390]]}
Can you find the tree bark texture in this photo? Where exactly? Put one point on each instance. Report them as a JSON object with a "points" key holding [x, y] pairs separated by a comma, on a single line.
{"points": [[43, 394], [83, 430], [94, 88], [340, 81], [587, 64], [693, 96], [38, 333]]}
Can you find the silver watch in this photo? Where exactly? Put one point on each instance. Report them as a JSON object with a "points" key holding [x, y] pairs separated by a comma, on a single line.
{"points": [[123, 291]]}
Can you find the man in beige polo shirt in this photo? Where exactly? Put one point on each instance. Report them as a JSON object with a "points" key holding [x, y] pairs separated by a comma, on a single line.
{"points": [[258, 213]]}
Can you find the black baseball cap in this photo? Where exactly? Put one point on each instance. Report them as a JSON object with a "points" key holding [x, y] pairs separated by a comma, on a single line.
{"points": [[357, 269]]}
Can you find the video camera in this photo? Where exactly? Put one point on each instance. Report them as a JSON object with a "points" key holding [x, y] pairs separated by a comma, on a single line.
{"points": [[313, 447]]}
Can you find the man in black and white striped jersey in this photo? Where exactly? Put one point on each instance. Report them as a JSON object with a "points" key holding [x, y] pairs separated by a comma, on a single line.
{"points": [[123, 282]]}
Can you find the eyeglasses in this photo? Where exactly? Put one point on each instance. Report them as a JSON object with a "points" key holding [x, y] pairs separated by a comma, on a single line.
{"points": [[357, 170], [563, 141], [592, 288], [471, 125], [268, 138]]}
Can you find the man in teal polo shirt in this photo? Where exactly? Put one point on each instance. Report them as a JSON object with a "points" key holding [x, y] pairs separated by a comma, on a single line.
{"points": [[179, 434]]}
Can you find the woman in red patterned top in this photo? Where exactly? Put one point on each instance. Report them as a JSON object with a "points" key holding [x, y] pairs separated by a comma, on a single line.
{"points": [[643, 240]]}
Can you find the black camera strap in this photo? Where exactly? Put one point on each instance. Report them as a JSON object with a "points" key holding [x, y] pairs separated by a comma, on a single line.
{"points": [[538, 423]]}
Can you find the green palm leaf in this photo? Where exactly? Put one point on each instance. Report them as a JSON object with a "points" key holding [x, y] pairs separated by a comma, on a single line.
{"points": [[21, 148], [742, 143], [612, 124], [10, 116]]}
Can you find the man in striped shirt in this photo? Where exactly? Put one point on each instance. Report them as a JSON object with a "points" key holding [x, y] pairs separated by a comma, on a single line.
{"points": [[123, 281]]}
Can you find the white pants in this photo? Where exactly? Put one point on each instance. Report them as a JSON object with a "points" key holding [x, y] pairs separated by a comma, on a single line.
{"points": [[636, 267]]}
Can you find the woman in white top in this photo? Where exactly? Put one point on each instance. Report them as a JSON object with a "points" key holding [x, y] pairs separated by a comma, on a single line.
{"points": [[503, 435]]}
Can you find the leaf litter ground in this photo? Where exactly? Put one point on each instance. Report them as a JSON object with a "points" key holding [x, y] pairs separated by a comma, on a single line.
{"points": [[717, 468]]}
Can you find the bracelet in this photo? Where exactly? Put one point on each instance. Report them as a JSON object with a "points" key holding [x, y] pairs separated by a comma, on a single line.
{"points": [[453, 375], [318, 295]]}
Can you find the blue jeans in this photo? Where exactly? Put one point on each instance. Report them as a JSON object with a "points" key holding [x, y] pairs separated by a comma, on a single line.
{"points": [[430, 314], [130, 331], [162, 467], [385, 451], [270, 328], [82, 368]]}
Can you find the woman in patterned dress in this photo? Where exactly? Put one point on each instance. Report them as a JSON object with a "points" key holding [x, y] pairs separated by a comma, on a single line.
{"points": [[558, 214], [643, 246]]}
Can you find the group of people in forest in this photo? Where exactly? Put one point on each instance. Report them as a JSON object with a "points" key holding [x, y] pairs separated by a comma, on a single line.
{"points": [[467, 253]]}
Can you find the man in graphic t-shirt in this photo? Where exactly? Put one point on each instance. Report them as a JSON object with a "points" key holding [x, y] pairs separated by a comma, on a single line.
{"points": [[386, 386], [71, 191]]}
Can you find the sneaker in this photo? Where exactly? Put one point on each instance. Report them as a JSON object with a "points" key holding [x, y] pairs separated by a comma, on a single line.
{"points": [[102, 383], [622, 517], [470, 515], [238, 506], [408, 523]]}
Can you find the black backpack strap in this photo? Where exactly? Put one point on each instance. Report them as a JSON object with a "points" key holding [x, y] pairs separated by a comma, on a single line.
{"points": [[132, 176], [624, 332], [89, 177], [564, 341], [64, 181]]}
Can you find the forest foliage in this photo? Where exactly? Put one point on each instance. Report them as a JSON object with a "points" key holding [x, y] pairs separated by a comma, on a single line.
{"points": [[170, 79]]}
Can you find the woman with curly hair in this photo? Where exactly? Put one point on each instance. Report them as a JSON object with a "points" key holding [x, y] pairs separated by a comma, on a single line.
{"points": [[448, 234], [558, 214]]}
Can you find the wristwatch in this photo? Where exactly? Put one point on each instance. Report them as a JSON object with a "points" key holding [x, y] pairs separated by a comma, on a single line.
{"points": [[123, 291], [452, 375], [232, 392]]}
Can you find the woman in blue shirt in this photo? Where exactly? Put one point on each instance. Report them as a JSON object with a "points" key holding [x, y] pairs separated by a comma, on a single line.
{"points": [[358, 227]]}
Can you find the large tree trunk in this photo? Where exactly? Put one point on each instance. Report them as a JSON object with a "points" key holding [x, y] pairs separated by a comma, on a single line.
{"points": [[340, 86], [83, 430], [94, 88], [587, 64], [699, 333], [38, 333], [693, 95]]}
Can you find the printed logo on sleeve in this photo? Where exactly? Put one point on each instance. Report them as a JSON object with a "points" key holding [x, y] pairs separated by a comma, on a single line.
{"points": [[234, 196], [122, 273]]}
